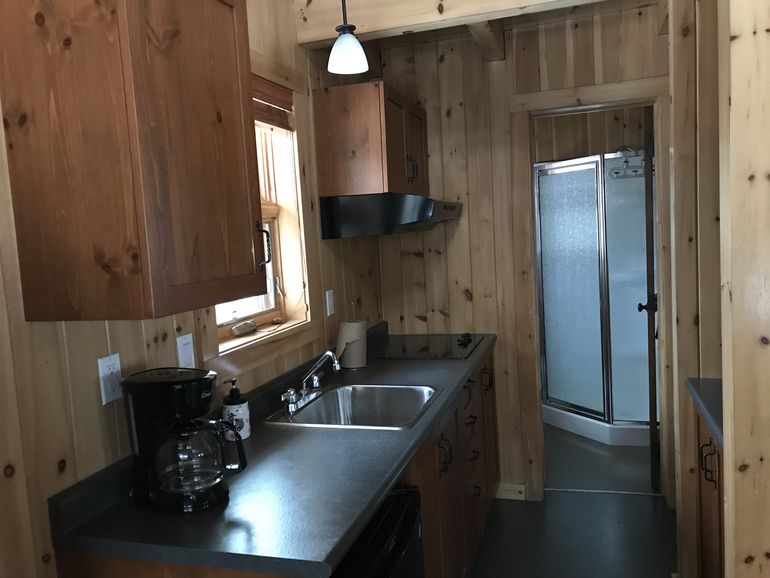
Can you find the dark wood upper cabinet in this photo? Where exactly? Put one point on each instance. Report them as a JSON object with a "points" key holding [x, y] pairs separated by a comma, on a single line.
{"points": [[369, 139], [132, 156]]}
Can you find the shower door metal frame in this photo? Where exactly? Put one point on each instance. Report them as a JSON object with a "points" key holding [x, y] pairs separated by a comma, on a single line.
{"points": [[595, 162], [571, 165]]}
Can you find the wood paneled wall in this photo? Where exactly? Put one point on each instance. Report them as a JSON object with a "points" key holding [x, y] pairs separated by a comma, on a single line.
{"points": [[54, 429], [744, 109], [695, 236], [601, 44], [570, 136], [478, 273], [463, 276]]}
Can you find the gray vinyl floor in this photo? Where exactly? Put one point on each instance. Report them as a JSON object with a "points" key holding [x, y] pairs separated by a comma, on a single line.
{"points": [[579, 535], [598, 519], [577, 463]]}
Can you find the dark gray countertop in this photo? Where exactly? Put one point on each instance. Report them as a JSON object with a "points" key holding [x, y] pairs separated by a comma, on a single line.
{"points": [[303, 499], [707, 394]]}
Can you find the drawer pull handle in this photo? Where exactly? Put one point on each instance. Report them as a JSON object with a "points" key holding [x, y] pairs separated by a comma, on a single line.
{"points": [[476, 492]]}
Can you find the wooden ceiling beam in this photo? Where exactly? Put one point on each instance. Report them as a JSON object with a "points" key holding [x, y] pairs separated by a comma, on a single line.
{"points": [[490, 37], [317, 19]]}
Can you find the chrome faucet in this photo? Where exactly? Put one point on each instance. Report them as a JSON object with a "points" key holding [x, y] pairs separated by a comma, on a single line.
{"points": [[297, 400], [312, 374]]}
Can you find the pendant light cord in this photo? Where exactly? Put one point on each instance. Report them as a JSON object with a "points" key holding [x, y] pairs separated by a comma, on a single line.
{"points": [[344, 13]]}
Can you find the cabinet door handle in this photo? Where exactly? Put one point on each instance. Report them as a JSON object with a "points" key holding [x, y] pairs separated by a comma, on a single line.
{"points": [[708, 472], [489, 380], [447, 450], [702, 456], [475, 454], [476, 492], [470, 423], [447, 457], [269, 244], [469, 388]]}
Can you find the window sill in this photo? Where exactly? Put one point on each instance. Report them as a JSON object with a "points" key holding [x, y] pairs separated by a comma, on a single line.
{"points": [[263, 334], [242, 354]]}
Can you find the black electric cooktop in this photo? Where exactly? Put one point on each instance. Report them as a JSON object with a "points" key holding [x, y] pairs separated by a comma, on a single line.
{"points": [[430, 346]]}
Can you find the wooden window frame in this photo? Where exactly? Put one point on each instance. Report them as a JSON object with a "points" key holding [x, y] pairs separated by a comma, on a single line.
{"points": [[272, 105], [263, 319]]}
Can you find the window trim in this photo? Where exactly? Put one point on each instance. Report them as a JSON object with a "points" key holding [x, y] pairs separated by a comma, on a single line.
{"points": [[270, 102], [265, 318]]}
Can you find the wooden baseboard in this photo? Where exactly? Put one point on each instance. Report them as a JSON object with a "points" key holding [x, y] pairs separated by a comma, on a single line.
{"points": [[507, 491]]}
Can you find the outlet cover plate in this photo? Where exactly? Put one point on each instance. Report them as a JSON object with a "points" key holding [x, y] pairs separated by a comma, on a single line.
{"points": [[110, 376], [329, 302], [185, 351]]}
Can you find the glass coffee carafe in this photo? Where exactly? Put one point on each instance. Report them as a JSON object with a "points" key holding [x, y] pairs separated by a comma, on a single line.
{"points": [[190, 464]]}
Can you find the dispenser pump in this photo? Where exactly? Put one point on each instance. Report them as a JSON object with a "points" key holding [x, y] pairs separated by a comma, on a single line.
{"points": [[236, 411], [234, 397]]}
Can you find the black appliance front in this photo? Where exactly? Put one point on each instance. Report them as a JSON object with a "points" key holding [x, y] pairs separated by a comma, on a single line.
{"points": [[179, 462], [391, 545]]}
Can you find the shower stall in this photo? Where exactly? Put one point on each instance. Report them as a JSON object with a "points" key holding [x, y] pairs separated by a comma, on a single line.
{"points": [[597, 305]]}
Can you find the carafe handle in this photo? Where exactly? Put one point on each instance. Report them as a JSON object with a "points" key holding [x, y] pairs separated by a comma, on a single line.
{"points": [[219, 426]]}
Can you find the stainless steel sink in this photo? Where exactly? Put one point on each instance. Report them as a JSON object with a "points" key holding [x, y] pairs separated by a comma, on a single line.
{"points": [[364, 406]]}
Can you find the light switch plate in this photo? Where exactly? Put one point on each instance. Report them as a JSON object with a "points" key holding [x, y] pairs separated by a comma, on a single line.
{"points": [[329, 302], [185, 352], [110, 376]]}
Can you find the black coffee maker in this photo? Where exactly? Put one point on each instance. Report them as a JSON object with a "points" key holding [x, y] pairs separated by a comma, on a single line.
{"points": [[179, 457]]}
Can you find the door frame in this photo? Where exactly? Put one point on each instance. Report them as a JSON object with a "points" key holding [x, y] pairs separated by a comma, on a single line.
{"points": [[528, 339]]}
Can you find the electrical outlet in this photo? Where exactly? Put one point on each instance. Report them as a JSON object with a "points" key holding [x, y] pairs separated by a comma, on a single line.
{"points": [[110, 376], [185, 352], [329, 302]]}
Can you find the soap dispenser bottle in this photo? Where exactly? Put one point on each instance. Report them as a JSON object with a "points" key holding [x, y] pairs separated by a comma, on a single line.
{"points": [[236, 411]]}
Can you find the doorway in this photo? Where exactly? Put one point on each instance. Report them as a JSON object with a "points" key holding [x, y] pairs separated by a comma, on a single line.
{"points": [[597, 304]]}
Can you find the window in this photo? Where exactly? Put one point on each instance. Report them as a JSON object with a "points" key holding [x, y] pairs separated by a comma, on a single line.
{"points": [[285, 303]]}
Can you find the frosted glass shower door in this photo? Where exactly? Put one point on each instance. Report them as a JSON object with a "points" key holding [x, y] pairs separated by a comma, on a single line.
{"points": [[567, 199], [624, 186]]}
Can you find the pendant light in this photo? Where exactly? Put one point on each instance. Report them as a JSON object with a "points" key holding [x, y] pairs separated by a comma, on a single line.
{"points": [[347, 55]]}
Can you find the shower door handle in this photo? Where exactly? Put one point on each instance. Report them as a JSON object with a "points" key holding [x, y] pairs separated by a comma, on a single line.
{"points": [[651, 306]]}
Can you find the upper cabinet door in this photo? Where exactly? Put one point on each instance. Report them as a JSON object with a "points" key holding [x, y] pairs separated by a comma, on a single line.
{"points": [[369, 139], [416, 151], [66, 137], [349, 139], [189, 83], [395, 138], [406, 145]]}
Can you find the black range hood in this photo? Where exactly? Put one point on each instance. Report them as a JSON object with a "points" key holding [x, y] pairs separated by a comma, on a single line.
{"points": [[349, 216]]}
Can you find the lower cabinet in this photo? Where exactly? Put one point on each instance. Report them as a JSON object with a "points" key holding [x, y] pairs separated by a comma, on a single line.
{"points": [[710, 500], [457, 473]]}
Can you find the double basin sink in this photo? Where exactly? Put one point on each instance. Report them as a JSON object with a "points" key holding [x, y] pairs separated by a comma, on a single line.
{"points": [[363, 406]]}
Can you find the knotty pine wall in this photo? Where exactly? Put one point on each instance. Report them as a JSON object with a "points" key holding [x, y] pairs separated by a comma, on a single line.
{"points": [[53, 428], [570, 136], [477, 274]]}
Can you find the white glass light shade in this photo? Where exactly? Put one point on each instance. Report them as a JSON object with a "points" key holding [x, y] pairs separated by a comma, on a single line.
{"points": [[347, 56]]}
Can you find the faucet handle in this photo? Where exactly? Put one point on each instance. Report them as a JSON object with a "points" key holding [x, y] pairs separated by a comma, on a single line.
{"points": [[290, 396], [316, 379]]}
